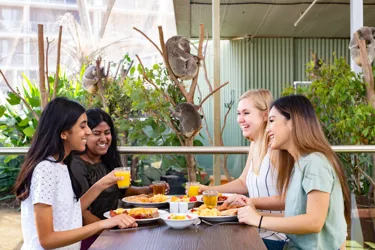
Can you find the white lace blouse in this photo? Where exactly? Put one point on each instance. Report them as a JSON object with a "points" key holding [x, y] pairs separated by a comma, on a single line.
{"points": [[51, 185]]}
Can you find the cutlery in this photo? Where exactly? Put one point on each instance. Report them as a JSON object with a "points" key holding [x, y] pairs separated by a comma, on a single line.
{"points": [[131, 228], [222, 223]]}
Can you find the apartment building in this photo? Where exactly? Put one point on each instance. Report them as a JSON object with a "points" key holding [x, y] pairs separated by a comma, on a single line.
{"points": [[19, 21]]}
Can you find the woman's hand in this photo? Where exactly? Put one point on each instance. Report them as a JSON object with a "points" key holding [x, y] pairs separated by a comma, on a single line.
{"points": [[121, 220], [237, 199], [248, 215], [108, 180]]}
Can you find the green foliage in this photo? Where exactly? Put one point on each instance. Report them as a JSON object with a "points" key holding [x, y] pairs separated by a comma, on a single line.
{"points": [[17, 123], [339, 99]]}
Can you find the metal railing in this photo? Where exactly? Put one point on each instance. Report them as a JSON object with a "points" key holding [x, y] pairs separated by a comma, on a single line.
{"points": [[197, 150]]}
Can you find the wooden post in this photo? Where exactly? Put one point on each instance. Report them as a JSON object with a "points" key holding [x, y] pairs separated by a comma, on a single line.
{"points": [[56, 83], [216, 74], [42, 78]]}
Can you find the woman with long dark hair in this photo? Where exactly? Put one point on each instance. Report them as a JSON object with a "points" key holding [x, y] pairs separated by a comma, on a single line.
{"points": [[51, 206], [310, 179], [100, 157]]}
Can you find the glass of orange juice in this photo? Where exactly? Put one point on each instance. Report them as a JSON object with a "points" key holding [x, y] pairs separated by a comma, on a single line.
{"points": [[210, 198], [192, 188], [123, 172]]}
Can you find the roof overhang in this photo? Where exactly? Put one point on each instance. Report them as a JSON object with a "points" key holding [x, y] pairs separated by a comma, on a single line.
{"points": [[270, 18]]}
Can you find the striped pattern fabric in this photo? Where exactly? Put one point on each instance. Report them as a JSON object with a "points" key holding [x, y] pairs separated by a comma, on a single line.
{"points": [[263, 184]]}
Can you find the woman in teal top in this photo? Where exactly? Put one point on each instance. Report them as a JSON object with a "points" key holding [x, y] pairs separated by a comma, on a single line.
{"points": [[313, 184]]}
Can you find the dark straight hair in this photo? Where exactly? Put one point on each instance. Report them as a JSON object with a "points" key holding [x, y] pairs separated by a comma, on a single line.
{"points": [[308, 137], [60, 115], [111, 159]]}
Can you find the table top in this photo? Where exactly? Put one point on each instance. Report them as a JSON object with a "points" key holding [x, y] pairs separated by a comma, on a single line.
{"points": [[226, 236]]}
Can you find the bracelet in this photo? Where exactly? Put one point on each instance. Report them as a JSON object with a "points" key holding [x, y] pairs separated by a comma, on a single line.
{"points": [[260, 221]]}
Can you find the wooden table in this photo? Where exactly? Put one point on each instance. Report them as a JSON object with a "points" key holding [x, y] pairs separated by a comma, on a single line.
{"points": [[163, 237]]}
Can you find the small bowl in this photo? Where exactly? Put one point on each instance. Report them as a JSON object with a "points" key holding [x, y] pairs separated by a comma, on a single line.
{"points": [[179, 224]]}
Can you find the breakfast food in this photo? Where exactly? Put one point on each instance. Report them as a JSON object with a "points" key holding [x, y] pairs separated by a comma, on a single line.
{"points": [[223, 210], [179, 217], [137, 213], [220, 198], [183, 198], [147, 198]]}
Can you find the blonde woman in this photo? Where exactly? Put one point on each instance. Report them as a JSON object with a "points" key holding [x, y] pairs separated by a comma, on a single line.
{"points": [[310, 178], [258, 178]]}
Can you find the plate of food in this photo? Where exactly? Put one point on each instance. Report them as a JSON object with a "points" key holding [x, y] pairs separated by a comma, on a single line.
{"points": [[179, 220], [220, 198], [220, 213], [184, 198], [140, 214], [147, 200]]}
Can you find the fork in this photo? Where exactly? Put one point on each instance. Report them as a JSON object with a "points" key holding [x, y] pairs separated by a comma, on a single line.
{"points": [[222, 223]]}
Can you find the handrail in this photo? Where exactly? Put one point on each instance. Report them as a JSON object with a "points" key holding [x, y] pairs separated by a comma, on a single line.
{"points": [[197, 150]]}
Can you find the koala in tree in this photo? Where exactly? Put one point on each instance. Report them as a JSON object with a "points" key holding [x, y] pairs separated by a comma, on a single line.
{"points": [[367, 34], [183, 64], [189, 117], [90, 78]]}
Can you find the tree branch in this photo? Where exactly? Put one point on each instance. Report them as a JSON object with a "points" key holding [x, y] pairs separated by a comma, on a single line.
{"points": [[24, 101], [153, 84], [204, 99], [100, 82], [48, 85], [366, 175], [205, 120], [205, 68], [56, 84], [225, 121], [200, 56], [161, 53]]}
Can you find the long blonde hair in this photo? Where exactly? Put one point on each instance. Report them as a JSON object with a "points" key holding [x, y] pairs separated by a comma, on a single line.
{"points": [[262, 100], [308, 138]]}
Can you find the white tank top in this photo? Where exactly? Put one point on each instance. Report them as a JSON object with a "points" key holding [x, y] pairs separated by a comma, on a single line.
{"points": [[263, 184]]}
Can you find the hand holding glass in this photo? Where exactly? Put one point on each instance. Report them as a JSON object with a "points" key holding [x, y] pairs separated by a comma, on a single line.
{"points": [[125, 173]]}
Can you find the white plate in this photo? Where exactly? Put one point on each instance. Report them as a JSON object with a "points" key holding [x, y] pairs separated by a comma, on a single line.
{"points": [[142, 221], [200, 197], [145, 204], [217, 218]]}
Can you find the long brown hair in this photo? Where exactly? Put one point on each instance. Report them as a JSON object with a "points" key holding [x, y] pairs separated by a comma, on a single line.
{"points": [[262, 99], [59, 115], [308, 138]]}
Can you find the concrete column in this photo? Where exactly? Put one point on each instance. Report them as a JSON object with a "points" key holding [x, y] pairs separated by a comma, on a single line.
{"points": [[356, 22], [216, 96]]}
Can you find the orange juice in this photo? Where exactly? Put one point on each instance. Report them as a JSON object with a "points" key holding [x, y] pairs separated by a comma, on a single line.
{"points": [[124, 183], [210, 201], [193, 191]]}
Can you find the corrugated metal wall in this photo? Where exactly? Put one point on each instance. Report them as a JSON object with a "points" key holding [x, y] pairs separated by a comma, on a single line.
{"points": [[270, 63]]}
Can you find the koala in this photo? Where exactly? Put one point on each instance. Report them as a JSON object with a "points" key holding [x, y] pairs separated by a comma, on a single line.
{"points": [[367, 34], [90, 79], [183, 64], [190, 119]]}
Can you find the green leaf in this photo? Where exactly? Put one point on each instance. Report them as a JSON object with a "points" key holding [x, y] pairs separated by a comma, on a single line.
{"points": [[13, 99], [2, 110], [197, 143], [29, 131], [24, 122], [34, 101], [9, 158], [156, 66]]}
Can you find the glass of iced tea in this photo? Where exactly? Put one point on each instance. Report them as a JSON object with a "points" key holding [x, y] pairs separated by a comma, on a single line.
{"points": [[210, 198], [159, 187], [123, 172], [192, 188]]}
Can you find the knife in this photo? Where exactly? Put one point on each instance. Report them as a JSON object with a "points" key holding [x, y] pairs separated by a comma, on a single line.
{"points": [[131, 228]]}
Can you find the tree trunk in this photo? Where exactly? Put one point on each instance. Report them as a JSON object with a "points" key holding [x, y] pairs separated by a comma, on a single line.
{"points": [[191, 163], [225, 168], [42, 78]]}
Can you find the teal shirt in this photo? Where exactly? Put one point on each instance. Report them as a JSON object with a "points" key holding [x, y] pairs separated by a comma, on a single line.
{"points": [[315, 172]]}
